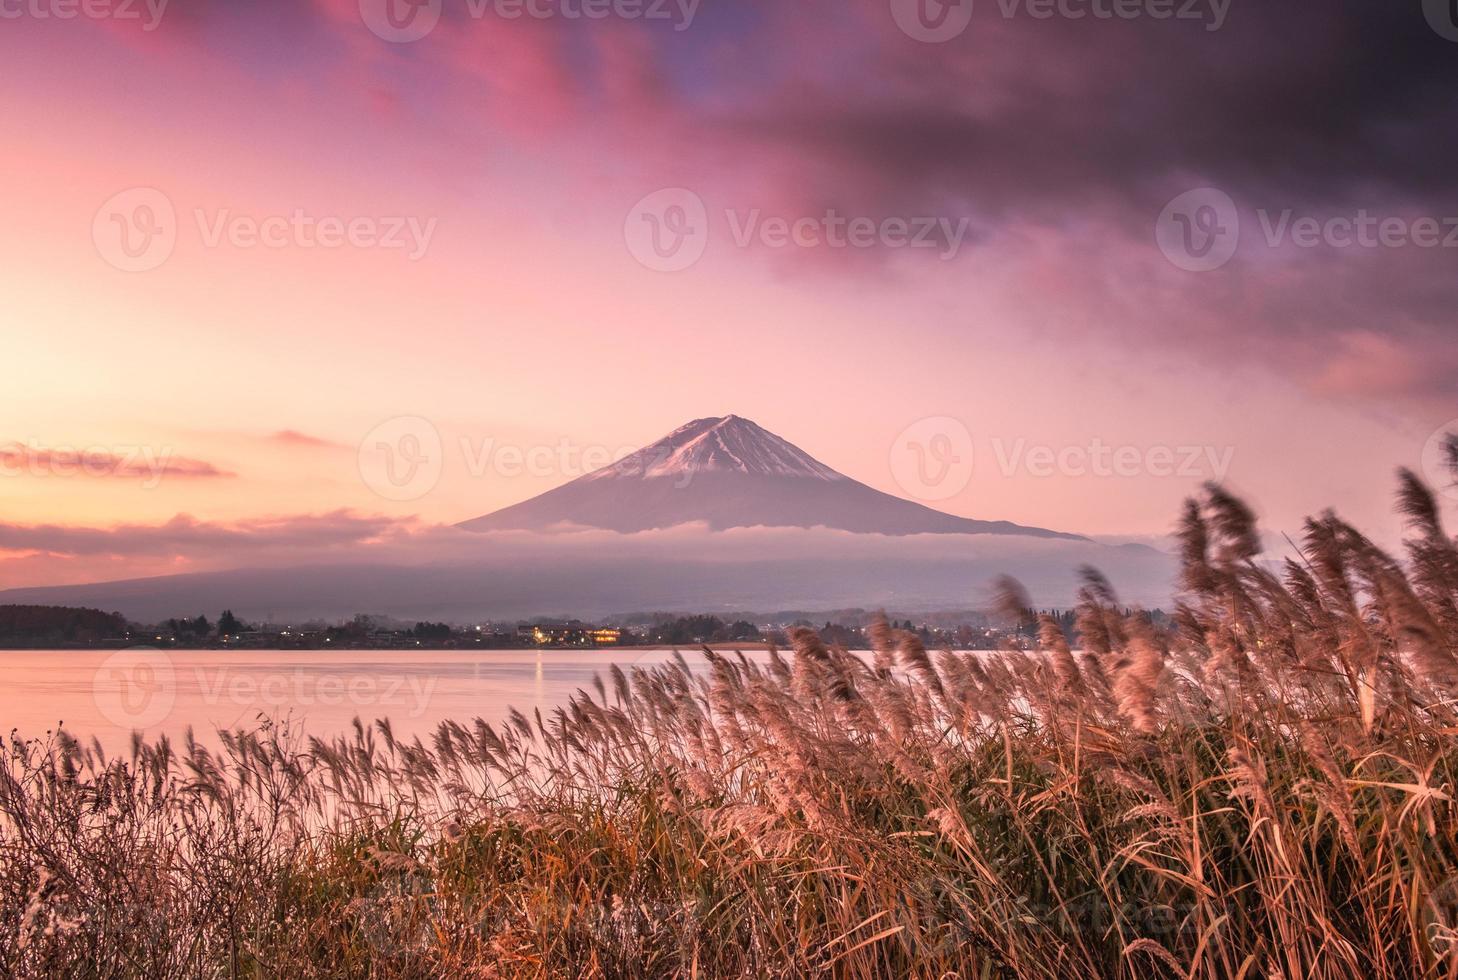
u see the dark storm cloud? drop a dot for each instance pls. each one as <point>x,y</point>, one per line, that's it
<point>1088,128</point>
<point>1339,104</point>
<point>1062,137</point>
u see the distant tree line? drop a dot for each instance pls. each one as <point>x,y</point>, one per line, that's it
<point>32,625</point>
<point>702,629</point>
<point>47,626</point>
<point>199,627</point>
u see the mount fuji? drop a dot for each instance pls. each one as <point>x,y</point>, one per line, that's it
<point>790,550</point>
<point>730,473</point>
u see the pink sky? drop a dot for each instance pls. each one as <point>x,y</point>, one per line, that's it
<point>253,373</point>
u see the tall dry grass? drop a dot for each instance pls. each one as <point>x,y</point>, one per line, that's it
<point>1264,789</point>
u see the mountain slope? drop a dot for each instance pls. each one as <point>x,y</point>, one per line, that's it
<point>590,576</point>
<point>726,473</point>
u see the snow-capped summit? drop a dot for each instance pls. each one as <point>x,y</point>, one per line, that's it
<point>729,445</point>
<point>729,472</point>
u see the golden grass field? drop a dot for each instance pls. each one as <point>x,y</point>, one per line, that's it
<point>1260,786</point>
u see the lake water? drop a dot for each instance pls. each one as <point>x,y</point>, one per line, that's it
<point>108,694</point>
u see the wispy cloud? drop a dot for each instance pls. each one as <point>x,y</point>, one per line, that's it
<point>340,563</point>
<point>187,537</point>
<point>147,463</point>
<point>293,437</point>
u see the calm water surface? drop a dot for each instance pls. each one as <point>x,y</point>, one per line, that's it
<point>108,694</point>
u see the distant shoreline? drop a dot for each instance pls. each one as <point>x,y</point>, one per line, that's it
<point>325,648</point>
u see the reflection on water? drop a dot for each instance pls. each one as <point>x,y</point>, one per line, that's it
<point>107,695</point>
